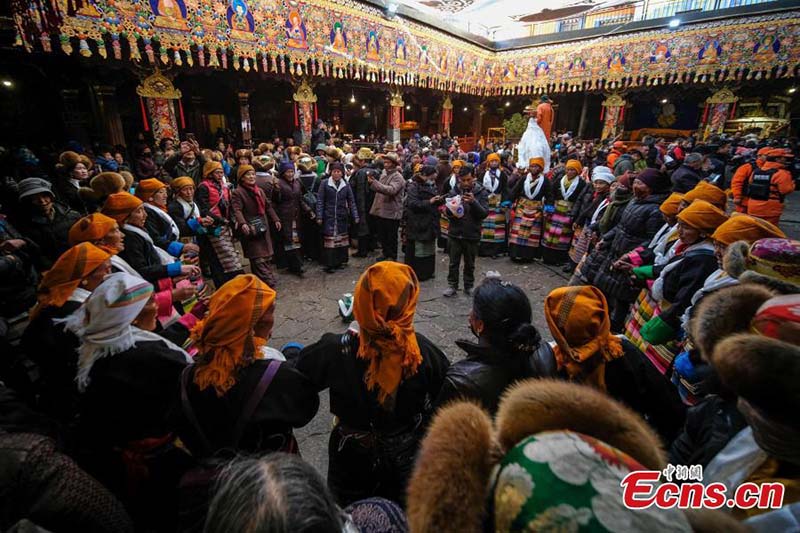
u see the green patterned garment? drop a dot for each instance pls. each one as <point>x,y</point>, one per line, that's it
<point>562,481</point>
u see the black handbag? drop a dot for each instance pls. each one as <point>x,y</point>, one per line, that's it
<point>258,226</point>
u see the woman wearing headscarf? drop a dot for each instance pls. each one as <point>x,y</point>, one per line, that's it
<point>159,225</point>
<point>290,207</point>
<point>587,352</point>
<point>529,195</point>
<point>139,251</point>
<point>558,222</point>
<point>508,347</point>
<point>546,464</point>
<point>61,292</point>
<point>382,376</point>
<point>184,211</point>
<point>335,207</point>
<point>448,185</point>
<point>586,212</point>
<point>241,396</point>
<point>254,217</point>
<point>127,376</point>
<point>216,247</point>
<point>73,173</point>
<point>422,217</point>
<point>493,232</point>
<point>638,225</point>
<point>692,261</point>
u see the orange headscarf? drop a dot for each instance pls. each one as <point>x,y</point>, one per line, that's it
<point>702,216</point>
<point>120,205</point>
<point>741,227</point>
<point>578,320</point>
<point>384,304</point>
<point>91,228</point>
<point>147,188</point>
<point>458,163</point>
<point>710,193</point>
<point>225,336</point>
<point>671,205</point>
<point>60,282</point>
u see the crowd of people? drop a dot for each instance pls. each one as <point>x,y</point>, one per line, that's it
<point>139,391</point>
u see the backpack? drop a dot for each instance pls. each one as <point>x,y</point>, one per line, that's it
<point>760,184</point>
<point>310,196</point>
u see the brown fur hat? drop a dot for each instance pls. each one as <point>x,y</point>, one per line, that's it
<point>447,490</point>
<point>128,177</point>
<point>102,186</point>
<point>723,313</point>
<point>263,163</point>
<point>452,475</point>
<point>243,152</point>
<point>762,370</point>
<point>67,160</point>
<point>533,406</point>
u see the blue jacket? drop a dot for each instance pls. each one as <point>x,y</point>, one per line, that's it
<point>335,208</point>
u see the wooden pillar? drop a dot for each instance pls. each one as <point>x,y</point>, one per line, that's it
<point>73,118</point>
<point>582,122</point>
<point>244,114</point>
<point>477,120</point>
<point>108,114</point>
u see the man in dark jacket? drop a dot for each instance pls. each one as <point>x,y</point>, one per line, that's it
<point>47,222</point>
<point>464,233</point>
<point>320,134</point>
<point>688,174</point>
<point>364,196</point>
<point>187,162</point>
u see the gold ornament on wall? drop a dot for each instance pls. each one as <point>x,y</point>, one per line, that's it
<point>158,86</point>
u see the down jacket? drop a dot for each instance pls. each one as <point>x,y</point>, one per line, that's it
<point>639,223</point>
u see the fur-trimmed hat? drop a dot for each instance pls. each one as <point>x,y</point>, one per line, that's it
<point>769,262</point>
<point>102,186</point>
<point>67,160</point>
<point>243,152</point>
<point>332,151</point>
<point>263,162</point>
<point>306,163</point>
<point>391,156</point>
<point>723,313</point>
<point>457,458</point>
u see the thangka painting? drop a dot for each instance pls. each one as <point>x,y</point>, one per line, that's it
<point>268,35</point>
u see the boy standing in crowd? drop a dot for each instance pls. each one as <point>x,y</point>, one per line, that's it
<point>465,228</point>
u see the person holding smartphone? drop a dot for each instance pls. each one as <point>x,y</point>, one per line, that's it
<point>465,228</point>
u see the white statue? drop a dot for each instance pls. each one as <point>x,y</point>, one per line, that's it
<point>533,144</point>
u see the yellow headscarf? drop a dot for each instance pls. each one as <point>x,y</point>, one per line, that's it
<point>578,320</point>
<point>225,337</point>
<point>384,304</point>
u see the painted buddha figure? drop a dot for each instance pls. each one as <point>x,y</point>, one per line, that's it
<point>400,51</point>
<point>169,8</point>
<point>296,31</point>
<point>372,46</point>
<point>338,40</point>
